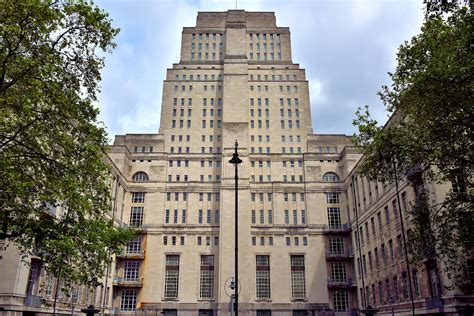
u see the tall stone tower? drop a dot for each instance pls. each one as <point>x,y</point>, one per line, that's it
<point>236,81</point>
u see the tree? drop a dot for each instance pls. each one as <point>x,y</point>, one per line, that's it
<point>51,143</point>
<point>429,137</point>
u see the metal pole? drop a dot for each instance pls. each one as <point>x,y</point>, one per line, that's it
<point>236,239</point>
<point>236,161</point>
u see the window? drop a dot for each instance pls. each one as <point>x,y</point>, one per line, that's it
<point>330,177</point>
<point>138,197</point>
<point>140,176</point>
<point>338,272</point>
<point>131,270</point>
<point>336,245</point>
<point>263,276</point>
<point>171,276</point>
<point>334,217</point>
<point>206,289</point>
<point>340,301</point>
<point>298,284</point>
<point>332,197</point>
<point>134,245</point>
<point>136,216</point>
<point>128,300</point>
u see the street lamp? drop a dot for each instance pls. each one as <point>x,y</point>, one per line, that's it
<point>236,161</point>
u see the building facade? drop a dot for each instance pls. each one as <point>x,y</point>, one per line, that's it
<point>314,237</point>
<point>236,81</point>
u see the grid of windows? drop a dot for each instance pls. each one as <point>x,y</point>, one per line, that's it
<point>171,276</point>
<point>131,271</point>
<point>338,272</point>
<point>136,216</point>
<point>336,245</point>
<point>332,197</point>
<point>134,245</point>
<point>128,302</point>
<point>334,217</point>
<point>340,301</point>
<point>263,276</point>
<point>206,289</point>
<point>138,197</point>
<point>298,284</point>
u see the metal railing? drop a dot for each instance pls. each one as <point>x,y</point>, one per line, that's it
<point>340,283</point>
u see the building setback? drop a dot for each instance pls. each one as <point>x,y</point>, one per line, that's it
<point>235,81</point>
<point>315,238</point>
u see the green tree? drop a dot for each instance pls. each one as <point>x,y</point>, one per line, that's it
<point>429,137</point>
<point>51,143</point>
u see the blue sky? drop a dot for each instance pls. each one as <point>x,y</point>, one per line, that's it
<point>346,46</point>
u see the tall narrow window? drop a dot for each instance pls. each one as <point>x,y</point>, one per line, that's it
<point>341,301</point>
<point>136,216</point>
<point>128,300</point>
<point>206,289</point>
<point>298,284</point>
<point>334,217</point>
<point>263,276</point>
<point>171,276</point>
<point>131,271</point>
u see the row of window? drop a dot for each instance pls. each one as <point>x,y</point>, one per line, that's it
<point>378,261</point>
<point>190,112</point>
<point>188,124</point>
<point>212,101</point>
<point>295,102</point>
<point>207,56</point>
<point>187,150</point>
<point>200,240</point>
<point>257,37</point>
<point>267,150</point>
<point>141,176</point>
<point>204,88</point>
<point>264,56</point>
<point>198,77</point>
<point>206,46</point>
<point>207,36</point>
<point>184,196</point>
<point>380,223</point>
<point>393,290</point>
<point>272,77</point>
<point>296,241</point>
<point>185,178</point>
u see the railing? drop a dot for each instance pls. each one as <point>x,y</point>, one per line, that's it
<point>339,254</point>
<point>340,283</point>
<point>33,300</point>
<point>131,255</point>
<point>434,302</point>
<point>119,281</point>
<point>344,228</point>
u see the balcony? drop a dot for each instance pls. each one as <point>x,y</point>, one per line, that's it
<point>339,255</point>
<point>119,281</point>
<point>140,255</point>
<point>340,284</point>
<point>337,229</point>
<point>434,302</point>
<point>33,301</point>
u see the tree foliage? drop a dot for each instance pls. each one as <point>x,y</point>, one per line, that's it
<point>430,134</point>
<point>51,143</point>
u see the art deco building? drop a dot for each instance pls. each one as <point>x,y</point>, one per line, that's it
<point>304,213</point>
<point>236,81</point>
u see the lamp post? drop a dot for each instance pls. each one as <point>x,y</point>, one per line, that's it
<point>236,161</point>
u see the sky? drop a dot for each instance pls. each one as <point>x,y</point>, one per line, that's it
<point>347,47</point>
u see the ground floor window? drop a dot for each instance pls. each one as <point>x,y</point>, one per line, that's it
<point>206,312</point>
<point>170,312</point>
<point>129,300</point>
<point>299,312</point>
<point>264,312</point>
<point>340,301</point>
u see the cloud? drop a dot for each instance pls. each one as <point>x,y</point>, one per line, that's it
<point>347,47</point>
